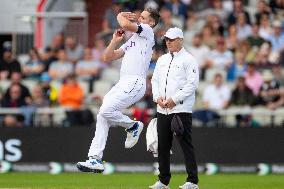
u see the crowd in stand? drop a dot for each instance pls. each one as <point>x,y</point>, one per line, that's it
<point>239,48</point>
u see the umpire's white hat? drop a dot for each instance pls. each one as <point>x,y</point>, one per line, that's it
<point>174,33</point>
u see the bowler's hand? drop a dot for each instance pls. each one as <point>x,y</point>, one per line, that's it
<point>161,102</point>
<point>170,103</point>
<point>118,36</point>
<point>130,16</point>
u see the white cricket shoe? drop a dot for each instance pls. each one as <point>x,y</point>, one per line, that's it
<point>91,165</point>
<point>189,185</point>
<point>159,185</point>
<point>133,134</point>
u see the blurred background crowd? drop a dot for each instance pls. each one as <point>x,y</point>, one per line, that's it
<point>239,46</point>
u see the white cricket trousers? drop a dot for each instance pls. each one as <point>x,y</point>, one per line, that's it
<point>126,92</point>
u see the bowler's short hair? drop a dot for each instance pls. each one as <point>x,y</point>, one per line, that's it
<point>154,14</point>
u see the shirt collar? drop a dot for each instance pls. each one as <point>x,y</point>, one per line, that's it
<point>179,52</point>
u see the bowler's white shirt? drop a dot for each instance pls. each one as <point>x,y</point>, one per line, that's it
<point>138,52</point>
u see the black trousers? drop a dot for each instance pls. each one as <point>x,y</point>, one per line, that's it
<point>165,138</point>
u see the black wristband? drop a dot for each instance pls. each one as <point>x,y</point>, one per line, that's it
<point>140,29</point>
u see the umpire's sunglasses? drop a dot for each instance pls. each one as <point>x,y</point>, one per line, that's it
<point>170,40</point>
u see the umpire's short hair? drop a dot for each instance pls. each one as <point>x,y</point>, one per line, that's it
<point>154,14</point>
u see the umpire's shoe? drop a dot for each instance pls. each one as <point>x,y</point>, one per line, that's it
<point>91,165</point>
<point>133,134</point>
<point>189,185</point>
<point>159,185</point>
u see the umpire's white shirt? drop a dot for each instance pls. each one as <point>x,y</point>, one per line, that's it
<point>176,76</point>
<point>138,52</point>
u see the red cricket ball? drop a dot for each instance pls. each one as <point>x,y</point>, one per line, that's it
<point>120,31</point>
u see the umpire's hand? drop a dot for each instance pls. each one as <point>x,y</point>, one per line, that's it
<point>161,102</point>
<point>169,103</point>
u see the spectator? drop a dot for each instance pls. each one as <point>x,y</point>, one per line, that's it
<point>49,91</point>
<point>220,57</point>
<point>277,37</point>
<point>160,44</point>
<point>253,78</point>
<point>177,8</point>
<point>209,37</point>
<point>147,4</point>
<point>71,96</point>
<point>8,65</point>
<point>74,51</point>
<point>166,19</point>
<point>265,30</point>
<point>244,48</point>
<point>88,69</point>
<point>216,24</point>
<point>242,95</point>
<point>156,54</point>
<point>34,67</point>
<point>61,68</point>
<point>48,56</point>
<point>217,9</point>
<point>262,8</point>
<point>276,5</point>
<point>277,72</point>
<point>25,95</point>
<point>97,51</point>
<point>238,68</point>
<point>238,8</point>
<point>105,33</point>
<point>217,95</point>
<point>254,39</point>
<point>270,92</point>
<point>39,99</point>
<point>112,12</point>
<point>57,42</point>
<point>14,99</point>
<point>166,22</point>
<point>199,50</point>
<point>193,25</point>
<point>232,40</point>
<point>244,29</point>
<point>263,57</point>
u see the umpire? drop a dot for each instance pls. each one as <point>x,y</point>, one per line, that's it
<point>174,82</point>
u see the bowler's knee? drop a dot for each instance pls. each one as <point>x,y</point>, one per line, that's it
<point>106,113</point>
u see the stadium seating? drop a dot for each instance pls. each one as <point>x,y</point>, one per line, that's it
<point>279,117</point>
<point>101,87</point>
<point>111,75</point>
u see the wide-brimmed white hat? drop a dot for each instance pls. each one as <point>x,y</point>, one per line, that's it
<point>174,33</point>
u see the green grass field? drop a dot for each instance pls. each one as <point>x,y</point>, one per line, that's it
<point>135,181</point>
